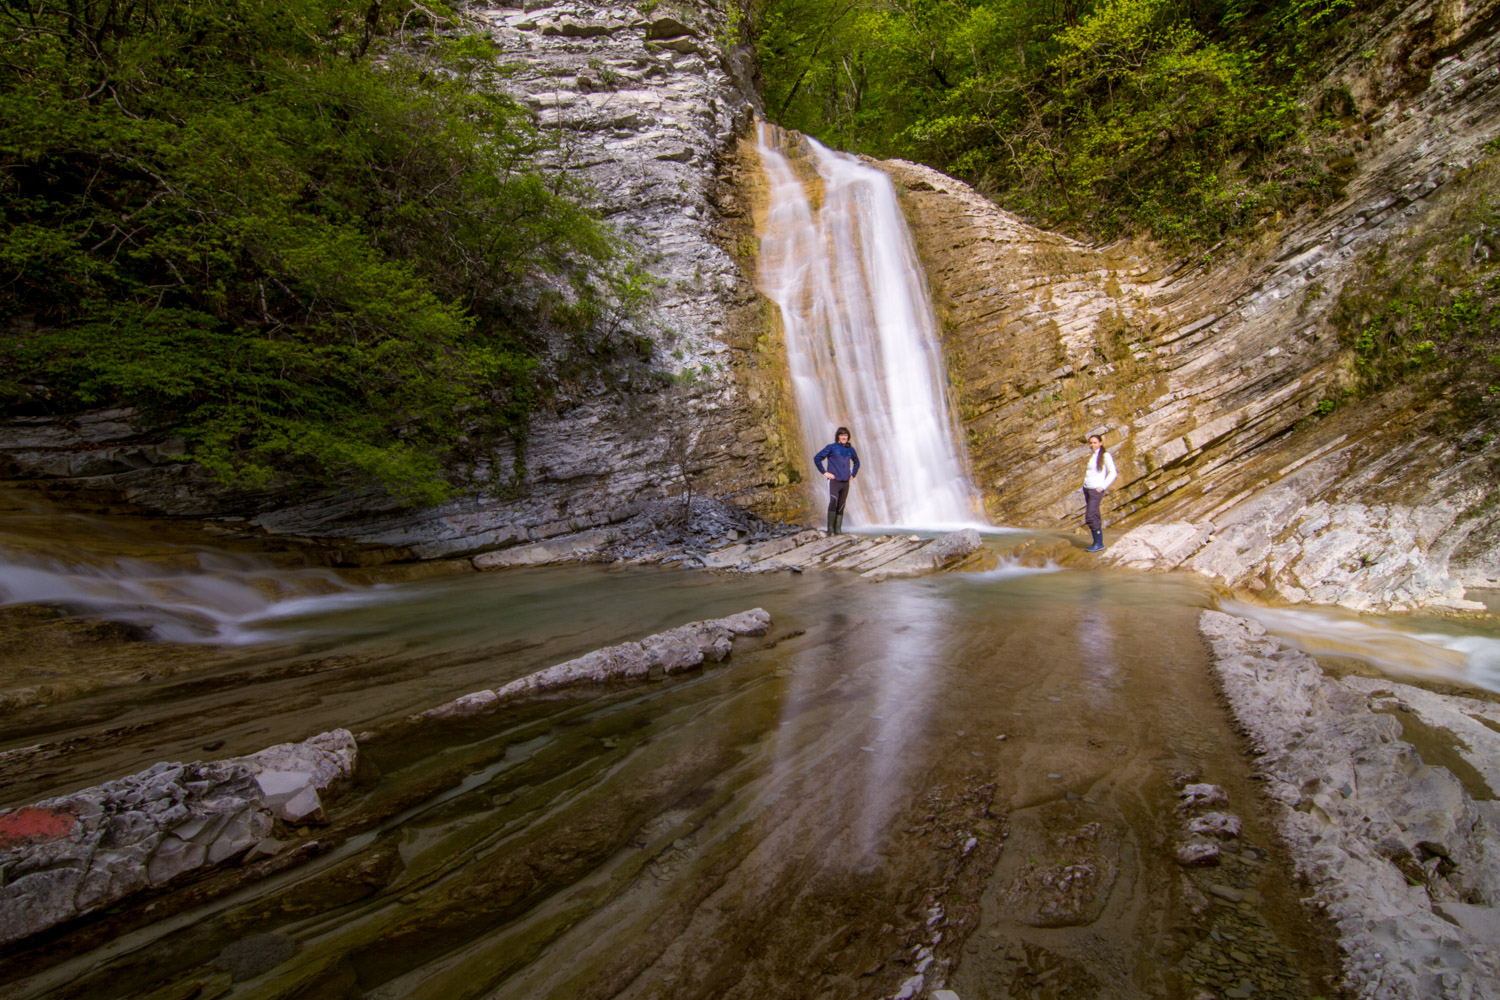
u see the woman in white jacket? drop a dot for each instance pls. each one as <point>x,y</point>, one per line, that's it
<point>1099,473</point>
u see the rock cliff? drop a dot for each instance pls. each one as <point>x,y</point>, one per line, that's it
<point>1207,381</point>
<point>646,104</point>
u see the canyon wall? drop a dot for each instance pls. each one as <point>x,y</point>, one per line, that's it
<point>1209,383</point>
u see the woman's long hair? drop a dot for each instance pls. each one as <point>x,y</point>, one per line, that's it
<point>1098,455</point>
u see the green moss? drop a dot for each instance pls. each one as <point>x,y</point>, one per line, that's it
<point>1428,316</point>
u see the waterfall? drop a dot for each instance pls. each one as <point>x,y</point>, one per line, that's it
<point>861,338</point>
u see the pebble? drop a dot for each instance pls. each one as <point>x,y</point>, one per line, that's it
<point>1003,736</point>
<point>1225,892</point>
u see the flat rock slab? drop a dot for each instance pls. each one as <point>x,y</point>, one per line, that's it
<point>876,557</point>
<point>675,651</point>
<point>1400,856</point>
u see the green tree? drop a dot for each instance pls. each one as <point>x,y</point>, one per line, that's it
<point>310,234</point>
<point>1175,117</point>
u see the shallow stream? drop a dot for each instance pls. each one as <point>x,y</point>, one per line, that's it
<point>970,777</point>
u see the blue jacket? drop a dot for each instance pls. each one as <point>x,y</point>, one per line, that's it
<point>843,460</point>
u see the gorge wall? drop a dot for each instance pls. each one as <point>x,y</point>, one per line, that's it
<point>1207,381</point>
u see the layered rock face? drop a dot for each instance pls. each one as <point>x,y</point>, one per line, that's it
<point>645,104</point>
<point>1205,382</point>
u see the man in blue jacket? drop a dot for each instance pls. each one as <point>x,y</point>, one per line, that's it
<point>843,466</point>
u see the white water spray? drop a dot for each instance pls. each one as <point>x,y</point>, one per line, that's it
<point>861,338</point>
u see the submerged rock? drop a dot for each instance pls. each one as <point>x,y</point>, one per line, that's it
<point>672,652</point>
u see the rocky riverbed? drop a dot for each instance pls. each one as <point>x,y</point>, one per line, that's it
<point>65,858</point>
<point>1385,795</point>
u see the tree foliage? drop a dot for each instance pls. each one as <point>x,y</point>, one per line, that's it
<point>306,232</point>
<point>1175,117</point>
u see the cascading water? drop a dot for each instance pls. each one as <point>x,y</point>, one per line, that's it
<point>181,591</point>
<point>861,337</point>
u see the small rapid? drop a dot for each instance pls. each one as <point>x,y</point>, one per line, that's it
<point>218,598</point>
<point>183,591</point>
<point>1423,650</point>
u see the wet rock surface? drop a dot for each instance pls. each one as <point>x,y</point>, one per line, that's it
<point>679,650</point>
<point>72,855</point>
<point>1069,881</point>
<point>1400,853</point>
<point>712,535</point>
<point>826,818</point>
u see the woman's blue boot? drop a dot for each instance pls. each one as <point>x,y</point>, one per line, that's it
<point>1098,545</point>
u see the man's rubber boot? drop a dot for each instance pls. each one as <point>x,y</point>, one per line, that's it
<point>838,524</point>
<point>1098,545</point>
<point>832,524</point>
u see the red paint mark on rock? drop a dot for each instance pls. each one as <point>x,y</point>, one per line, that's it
<point>35,825</point>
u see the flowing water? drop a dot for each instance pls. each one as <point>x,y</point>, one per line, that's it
<point>868,781</point>
<point>970,772</point>
<point>862,344</point>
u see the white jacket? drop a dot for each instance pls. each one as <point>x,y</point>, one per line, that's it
<point>1094,479</point>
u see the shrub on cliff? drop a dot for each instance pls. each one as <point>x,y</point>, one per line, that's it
<point>308,233</point>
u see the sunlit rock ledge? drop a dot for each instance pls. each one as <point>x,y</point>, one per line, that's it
<point>1401,854</point>
<point>644,542</point>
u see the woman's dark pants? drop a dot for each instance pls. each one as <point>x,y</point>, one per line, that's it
<point>1091,515</point>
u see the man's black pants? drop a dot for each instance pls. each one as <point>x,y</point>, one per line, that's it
<point>838,495</point>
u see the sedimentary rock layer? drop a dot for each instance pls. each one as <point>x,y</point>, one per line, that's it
<point>672,652</point>
<point>76,854</point>
<point>1207,381</point>
<point>1400,853</point>
<point>876,557</point>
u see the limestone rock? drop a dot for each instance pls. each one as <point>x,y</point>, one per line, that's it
<point>1392,846</point>
<point>939,554</point>
<point>294,777</point>
<point>1197,852</point>
<point>675,651</point>
<point>1220,826</point>
<point>77,853</point>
